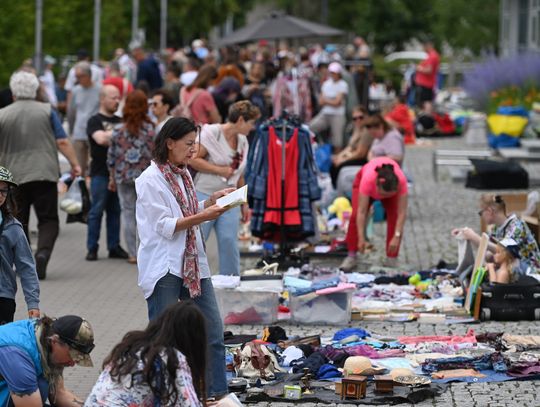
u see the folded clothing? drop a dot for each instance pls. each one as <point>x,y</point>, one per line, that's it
<point>344,333</point>
<point>448,374</point>
<point>453,339</point>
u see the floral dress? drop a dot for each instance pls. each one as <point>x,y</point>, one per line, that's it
<point>132,391</point>
<point>516,229</point>
<point>130,154</point>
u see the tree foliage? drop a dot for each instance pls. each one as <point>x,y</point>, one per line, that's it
<point>387,24</point>
<point>390,24</point>
<point>68,26</point>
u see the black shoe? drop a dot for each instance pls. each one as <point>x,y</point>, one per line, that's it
<point>91,255</point>
<point>41,265</point>
<point>118,253</point>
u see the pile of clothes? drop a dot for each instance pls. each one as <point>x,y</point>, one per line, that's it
<point>436,359</point>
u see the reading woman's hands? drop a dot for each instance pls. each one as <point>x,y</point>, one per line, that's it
<point>212,212</point>
<point>216,195</point>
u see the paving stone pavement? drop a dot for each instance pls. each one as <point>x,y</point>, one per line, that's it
<point>106,293</point>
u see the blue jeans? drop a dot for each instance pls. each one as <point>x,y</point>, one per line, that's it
<point>103,200</point>
<point>168,290</point>
<point>227,238</point>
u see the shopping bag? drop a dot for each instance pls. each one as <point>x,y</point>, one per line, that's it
<point>72,201</point>
<point>83,196</point>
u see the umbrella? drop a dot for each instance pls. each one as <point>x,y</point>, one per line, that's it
<point>277,26</point>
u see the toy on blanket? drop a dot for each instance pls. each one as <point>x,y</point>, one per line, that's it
<point>340,206</point>
<point>421,285</point>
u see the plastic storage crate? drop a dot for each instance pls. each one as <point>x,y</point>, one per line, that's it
<point>247,306</point>
<point>331,309</point>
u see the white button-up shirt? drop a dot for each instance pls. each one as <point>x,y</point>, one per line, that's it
<point>161,251</point>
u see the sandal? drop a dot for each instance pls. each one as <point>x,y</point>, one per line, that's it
<point>269,269</point>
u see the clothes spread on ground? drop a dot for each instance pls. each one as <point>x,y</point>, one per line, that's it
<point>264,177</point>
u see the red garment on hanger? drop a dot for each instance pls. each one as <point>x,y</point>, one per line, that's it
<point>273,186</point>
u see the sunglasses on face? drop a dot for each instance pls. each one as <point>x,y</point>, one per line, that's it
<point>358,118</point>
<point>81,347</point>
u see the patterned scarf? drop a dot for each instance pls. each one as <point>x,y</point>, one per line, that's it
<point>189,206</point>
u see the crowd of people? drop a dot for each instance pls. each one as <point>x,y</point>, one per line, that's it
<point>158,141</point>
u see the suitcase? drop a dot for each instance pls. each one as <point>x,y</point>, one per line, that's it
<point>511,302</point>
<point>488,174</point>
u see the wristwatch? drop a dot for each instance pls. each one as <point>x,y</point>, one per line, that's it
<point>397,234</point>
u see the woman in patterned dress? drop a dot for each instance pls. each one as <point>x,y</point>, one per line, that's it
<point>164,365</point>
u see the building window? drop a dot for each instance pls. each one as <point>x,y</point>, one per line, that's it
<point>523,26</point>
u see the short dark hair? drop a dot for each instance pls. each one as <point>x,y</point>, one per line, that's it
<point>175,128</point>
<point>166,98</point>
<point>387,178</point>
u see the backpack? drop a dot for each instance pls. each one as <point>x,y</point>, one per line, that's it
<point>256,361</point>
<point>183,109</point>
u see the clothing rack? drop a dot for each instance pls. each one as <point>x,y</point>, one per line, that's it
<point>285,256</point>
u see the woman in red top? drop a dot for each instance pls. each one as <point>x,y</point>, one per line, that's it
<point>380,179</point>
<point>400,118</point>
<point>198,100</point>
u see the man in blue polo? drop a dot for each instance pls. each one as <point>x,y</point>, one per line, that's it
<point>33,355</point>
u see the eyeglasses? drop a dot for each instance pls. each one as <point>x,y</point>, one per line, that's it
<point>4,192</point>
<point>358,118</point>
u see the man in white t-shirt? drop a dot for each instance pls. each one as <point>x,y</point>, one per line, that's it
<point>333,98</point>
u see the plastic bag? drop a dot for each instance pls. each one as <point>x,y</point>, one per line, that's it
<point>72,203</point>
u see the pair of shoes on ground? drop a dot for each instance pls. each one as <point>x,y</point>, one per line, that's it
<point>116,253</point>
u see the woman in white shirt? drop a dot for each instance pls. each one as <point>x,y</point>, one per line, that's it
<point>332,101</point>
<point>221,160</point>
<point>172,261</point>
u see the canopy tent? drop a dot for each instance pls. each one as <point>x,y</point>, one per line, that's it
<point>279,26</point>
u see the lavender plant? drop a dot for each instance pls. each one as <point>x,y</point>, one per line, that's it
<point>504,81</point>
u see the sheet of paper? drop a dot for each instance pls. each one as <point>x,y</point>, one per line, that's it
<point>233,199</point>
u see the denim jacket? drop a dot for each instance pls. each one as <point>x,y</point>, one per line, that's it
<point>15,251</point>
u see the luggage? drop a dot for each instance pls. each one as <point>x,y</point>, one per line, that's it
<point>488,174</point>
<point>511,302</point>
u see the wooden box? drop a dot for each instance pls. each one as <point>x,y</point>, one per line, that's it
<point>384,384</point>
<point>353,387</point>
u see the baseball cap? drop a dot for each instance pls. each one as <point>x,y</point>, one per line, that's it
<point>77,333</point>
<point>511,245</point>
<point>334,67</point>
<point>7,176</point>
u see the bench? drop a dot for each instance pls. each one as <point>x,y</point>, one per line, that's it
<point>456,158</point>
<point>532,145</point>
<point>519,154</point>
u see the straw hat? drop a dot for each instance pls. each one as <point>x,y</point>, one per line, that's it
<point>360,365</point>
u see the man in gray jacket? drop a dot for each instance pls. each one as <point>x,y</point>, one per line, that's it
<point>30,137</point>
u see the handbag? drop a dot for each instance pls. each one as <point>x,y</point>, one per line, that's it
<point>256,361</point>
